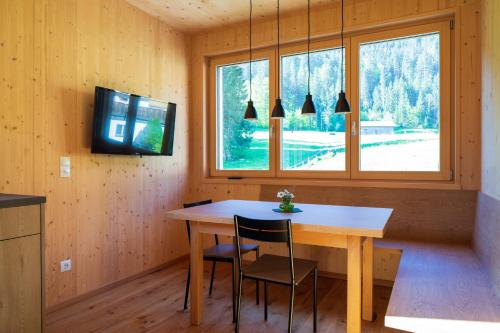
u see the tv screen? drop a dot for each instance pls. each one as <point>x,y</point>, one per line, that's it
<point>129,124</point>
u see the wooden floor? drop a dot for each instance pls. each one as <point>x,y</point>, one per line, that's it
<point>153,304</point>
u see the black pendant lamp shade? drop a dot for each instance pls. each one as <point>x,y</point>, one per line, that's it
<point>342,105</point>
<point>250,113</point>
<point>278,110</point>
<point>308,107</point>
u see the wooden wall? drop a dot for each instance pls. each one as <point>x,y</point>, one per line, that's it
<point>490,62</point>
<point>108,217</point>
<point>359,15</point>
<point>420,215</point>
<point>16,96</point>
<point>487,230</point>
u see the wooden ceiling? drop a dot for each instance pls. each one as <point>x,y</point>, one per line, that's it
<point>196,15</point>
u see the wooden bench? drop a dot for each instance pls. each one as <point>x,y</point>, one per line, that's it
<point>440,288</point>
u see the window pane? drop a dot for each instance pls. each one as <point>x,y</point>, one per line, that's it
<point>399,104</point>
<point>312,142</point>
<point>242,144</point>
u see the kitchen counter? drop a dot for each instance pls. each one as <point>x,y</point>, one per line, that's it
<point>16,200</point>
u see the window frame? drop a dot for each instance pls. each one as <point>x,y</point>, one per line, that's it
<point>351,46</point>
<point>446,79</point>
<point>301,48</point>
<point>239,58</point>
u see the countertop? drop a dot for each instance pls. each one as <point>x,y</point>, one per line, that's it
<point>16,200</point>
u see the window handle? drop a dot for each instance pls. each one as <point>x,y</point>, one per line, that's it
<point>353,128</point>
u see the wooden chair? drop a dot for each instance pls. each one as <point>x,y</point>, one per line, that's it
<point>284,270</point>
<point>219,253</point>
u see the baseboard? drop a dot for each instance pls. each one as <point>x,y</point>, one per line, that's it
<point>112,285</point>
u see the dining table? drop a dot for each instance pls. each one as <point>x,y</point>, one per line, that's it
<point>350,227</point>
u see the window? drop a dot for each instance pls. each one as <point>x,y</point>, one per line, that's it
<point>242,146</point>
<point>312,143</point>
<point>397,81</point>
<point>399,104</point>
<point>402,104</point>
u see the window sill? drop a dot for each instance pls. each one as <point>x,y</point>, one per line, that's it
<point>430,185</point>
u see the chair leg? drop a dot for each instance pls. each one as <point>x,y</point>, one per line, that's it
<point>212,279</point>
<point>233,265</point>
<point>257,281</point>
<point>187,288</point>
<point>238,305</point>
<point>266,293</point>
<point>315,302</point>
<point>290,314</point>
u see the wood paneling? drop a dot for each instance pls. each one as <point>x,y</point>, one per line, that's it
<point>425,215</point>
<point>16,90</point>
<point>490,105</point>
<point>487,231</point>
<point>154,304</point>
<point>486,236</point>
<point>202,14</point>
<point>20,285</point>
<point>108,217</point>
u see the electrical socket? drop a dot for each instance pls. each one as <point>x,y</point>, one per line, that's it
<point>66,265</point>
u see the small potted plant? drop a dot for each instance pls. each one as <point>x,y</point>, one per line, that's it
<point>286,204</point>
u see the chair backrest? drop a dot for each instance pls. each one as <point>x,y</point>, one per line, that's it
<point>270,231</point>
<point>195,204</point>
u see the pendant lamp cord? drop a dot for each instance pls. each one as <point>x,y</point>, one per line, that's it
<point>308,46</point>
<point>279,59</point>
<point>342,50</point>
<point>250,49</point>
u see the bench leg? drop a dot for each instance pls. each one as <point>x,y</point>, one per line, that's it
<point>367,312</point>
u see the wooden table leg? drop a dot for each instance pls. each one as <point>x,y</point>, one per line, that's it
<point>196,274</point>
<point>367,313</point>
<point>354,260</point>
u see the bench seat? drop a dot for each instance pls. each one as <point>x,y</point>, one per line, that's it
<point>440,288</point>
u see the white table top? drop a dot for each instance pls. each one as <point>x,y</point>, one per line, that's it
<point>342,220</point>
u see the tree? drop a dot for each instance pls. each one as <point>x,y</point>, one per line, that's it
<point>237,131</point>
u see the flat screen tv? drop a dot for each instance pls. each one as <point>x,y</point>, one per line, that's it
<point>129,124</point>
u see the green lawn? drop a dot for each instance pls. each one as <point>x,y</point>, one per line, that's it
<point>296,153</point>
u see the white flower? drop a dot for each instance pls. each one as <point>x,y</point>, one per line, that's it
<point>285,195</point>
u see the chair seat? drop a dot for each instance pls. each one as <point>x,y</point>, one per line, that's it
<point>227,251</point>
<point>277,269</point>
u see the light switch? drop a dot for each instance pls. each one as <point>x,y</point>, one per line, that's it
<point>65,166</point>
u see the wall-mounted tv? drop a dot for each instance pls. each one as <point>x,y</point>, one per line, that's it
<point>129,124</point>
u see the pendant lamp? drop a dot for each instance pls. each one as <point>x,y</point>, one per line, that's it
<point>342,103</point>
<point>308,107</point>
<point>250,113</point>
<point>278,110</point>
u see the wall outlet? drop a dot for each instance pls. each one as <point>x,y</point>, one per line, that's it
<point>66,265</point>
<point>65,166</point>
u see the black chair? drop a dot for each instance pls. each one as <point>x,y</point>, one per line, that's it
<point>270,268</point>
<point>219,253</point>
